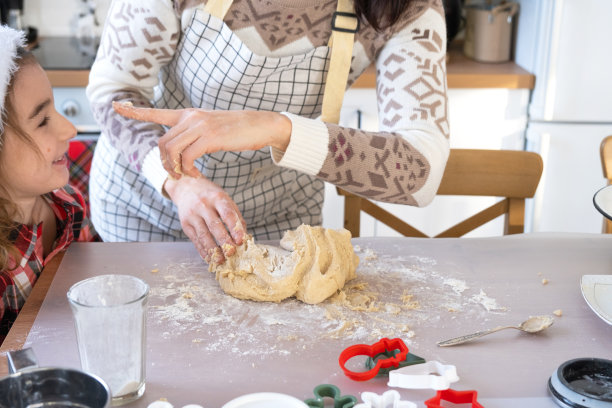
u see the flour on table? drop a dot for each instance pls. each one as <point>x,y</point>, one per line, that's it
<point>390,296</point>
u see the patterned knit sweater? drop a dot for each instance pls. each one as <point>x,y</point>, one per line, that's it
<point>403,162</point>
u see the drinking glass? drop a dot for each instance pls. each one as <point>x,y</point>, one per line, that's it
<point>110,321</point>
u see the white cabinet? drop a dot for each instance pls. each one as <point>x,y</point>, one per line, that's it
<point>489,118</point>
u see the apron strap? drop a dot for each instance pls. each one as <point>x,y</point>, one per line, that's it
<point>218,8</point>
<point>344,26</point>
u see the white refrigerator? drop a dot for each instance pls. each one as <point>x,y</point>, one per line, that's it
<point>567,45</point>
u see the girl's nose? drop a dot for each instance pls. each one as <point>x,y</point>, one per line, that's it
<point>69,131</point>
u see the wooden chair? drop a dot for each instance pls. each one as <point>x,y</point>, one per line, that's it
<point>511,174</point>
<point>605,150</point>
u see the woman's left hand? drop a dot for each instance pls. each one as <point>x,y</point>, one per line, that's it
<point>195,132</point>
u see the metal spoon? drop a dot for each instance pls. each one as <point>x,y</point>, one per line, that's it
<point>532,325</point>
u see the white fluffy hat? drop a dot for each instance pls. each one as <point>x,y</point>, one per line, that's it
<point>10,40</point>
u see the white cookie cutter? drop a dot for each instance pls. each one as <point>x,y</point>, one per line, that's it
<point>389,399</point>
<point>432,374</point>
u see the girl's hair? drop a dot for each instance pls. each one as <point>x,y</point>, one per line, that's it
<point>380,14</point>
<point>8,209</point>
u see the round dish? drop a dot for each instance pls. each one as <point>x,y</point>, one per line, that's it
<point>265,400</point>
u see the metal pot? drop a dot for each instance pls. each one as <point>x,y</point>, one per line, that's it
<point>30,386</point>
<point>488,31</point>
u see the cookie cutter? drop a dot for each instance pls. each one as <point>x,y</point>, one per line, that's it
<point>410,360</point>
<point>388,399</point>
<point>456,397</point>
<point>329,390</point>
<point>384,345</point>
<point>431,374</point>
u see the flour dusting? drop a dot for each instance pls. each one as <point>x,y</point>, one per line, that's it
<point>392,296</point>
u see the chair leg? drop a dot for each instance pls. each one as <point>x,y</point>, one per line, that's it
<point>515,219</point>
<point>352,214</point>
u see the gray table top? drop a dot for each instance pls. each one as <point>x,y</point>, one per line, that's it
<point>206,348</point>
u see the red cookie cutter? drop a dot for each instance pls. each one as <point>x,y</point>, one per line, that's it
<point>456,397</point>
<point>384,345</point>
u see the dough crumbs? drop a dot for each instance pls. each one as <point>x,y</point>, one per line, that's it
<point>558,312</point>
<point>370,255</point>
<point>188,295</point>
<point>197,340</point>
<point>155,270</point>
<point>544,281</point>
<point>408,303</point>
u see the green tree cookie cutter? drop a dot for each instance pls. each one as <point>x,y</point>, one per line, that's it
<point>328,390</point>
<point>410,360</point>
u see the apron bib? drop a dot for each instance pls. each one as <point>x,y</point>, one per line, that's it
<point>214,69</point>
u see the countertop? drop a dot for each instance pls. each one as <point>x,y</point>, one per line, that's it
<point>206,348</point>
<point>462,72</point>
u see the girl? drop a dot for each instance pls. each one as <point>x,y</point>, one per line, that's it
<point>40,215</point>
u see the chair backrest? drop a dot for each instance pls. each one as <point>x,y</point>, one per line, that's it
<point>511,174</point>
<point>605,150</point>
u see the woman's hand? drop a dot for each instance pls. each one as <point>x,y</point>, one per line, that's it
<point>209,217</point>
<point>195,132</point>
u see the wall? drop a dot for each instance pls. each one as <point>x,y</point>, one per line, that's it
<point>58,17</point>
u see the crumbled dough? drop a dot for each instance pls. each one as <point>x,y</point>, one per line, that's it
<point>544,281</point>
<point>312,264</point>
<point>155,270</point>
<point>558,312</point>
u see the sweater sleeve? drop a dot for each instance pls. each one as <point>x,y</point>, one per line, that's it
<point>139,38</point>
<point>404,161</point>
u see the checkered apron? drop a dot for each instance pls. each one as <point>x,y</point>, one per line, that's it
<point>213,69</point>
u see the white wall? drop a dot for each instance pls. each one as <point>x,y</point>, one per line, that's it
<point>58,17</point>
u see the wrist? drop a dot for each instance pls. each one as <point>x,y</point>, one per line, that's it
<point>283,128</point>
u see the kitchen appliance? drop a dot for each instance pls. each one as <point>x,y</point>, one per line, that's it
<point>488,31</point>
<point>564,43</point>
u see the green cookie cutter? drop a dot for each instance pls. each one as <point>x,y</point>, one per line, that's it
<point>411,359</point>
<point>331,391</point>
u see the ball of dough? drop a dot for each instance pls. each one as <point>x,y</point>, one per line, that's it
<point>311,264</point>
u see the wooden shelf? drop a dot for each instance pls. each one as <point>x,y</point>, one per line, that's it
<point>462,72</point>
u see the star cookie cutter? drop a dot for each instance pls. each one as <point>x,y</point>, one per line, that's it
<point>432,374</point>
<point>329,390</point>
<point>388,399</point>
<point>456,397</point>
<point>382,346</point>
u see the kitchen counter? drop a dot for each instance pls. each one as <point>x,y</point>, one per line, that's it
<point>205,347</point>
<point>462,72</point>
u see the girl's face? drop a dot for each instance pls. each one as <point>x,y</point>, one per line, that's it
<point>27,172</point>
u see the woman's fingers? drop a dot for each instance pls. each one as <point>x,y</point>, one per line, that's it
<point>167,117</point>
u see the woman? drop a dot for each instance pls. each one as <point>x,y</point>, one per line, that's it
<point>258,74</point>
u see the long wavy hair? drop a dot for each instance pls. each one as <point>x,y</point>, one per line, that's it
<point>380,14</point>
<point>8,208</point>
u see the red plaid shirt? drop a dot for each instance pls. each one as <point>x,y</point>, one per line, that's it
<point>72,225</point>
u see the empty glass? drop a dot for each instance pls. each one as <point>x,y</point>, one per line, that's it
<point>110,321</point>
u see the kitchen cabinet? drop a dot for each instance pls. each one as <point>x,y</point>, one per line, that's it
<point>487,110</point>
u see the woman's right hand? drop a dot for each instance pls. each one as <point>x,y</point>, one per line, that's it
<point>208,215</point>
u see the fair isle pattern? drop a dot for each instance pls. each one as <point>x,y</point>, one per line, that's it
<point>389,168</point>
<point>131,27</point>
<point>279,24</point>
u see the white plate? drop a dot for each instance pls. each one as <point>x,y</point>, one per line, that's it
<point>265,400</point>
<point>597,291</point>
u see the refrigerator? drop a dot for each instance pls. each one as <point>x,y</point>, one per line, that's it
<point>566,44</point>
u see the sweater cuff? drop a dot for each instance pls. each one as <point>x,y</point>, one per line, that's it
<point>307,147</point>
<point>154,171</point>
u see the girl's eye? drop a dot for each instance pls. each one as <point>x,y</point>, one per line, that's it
<point>44,122</point>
